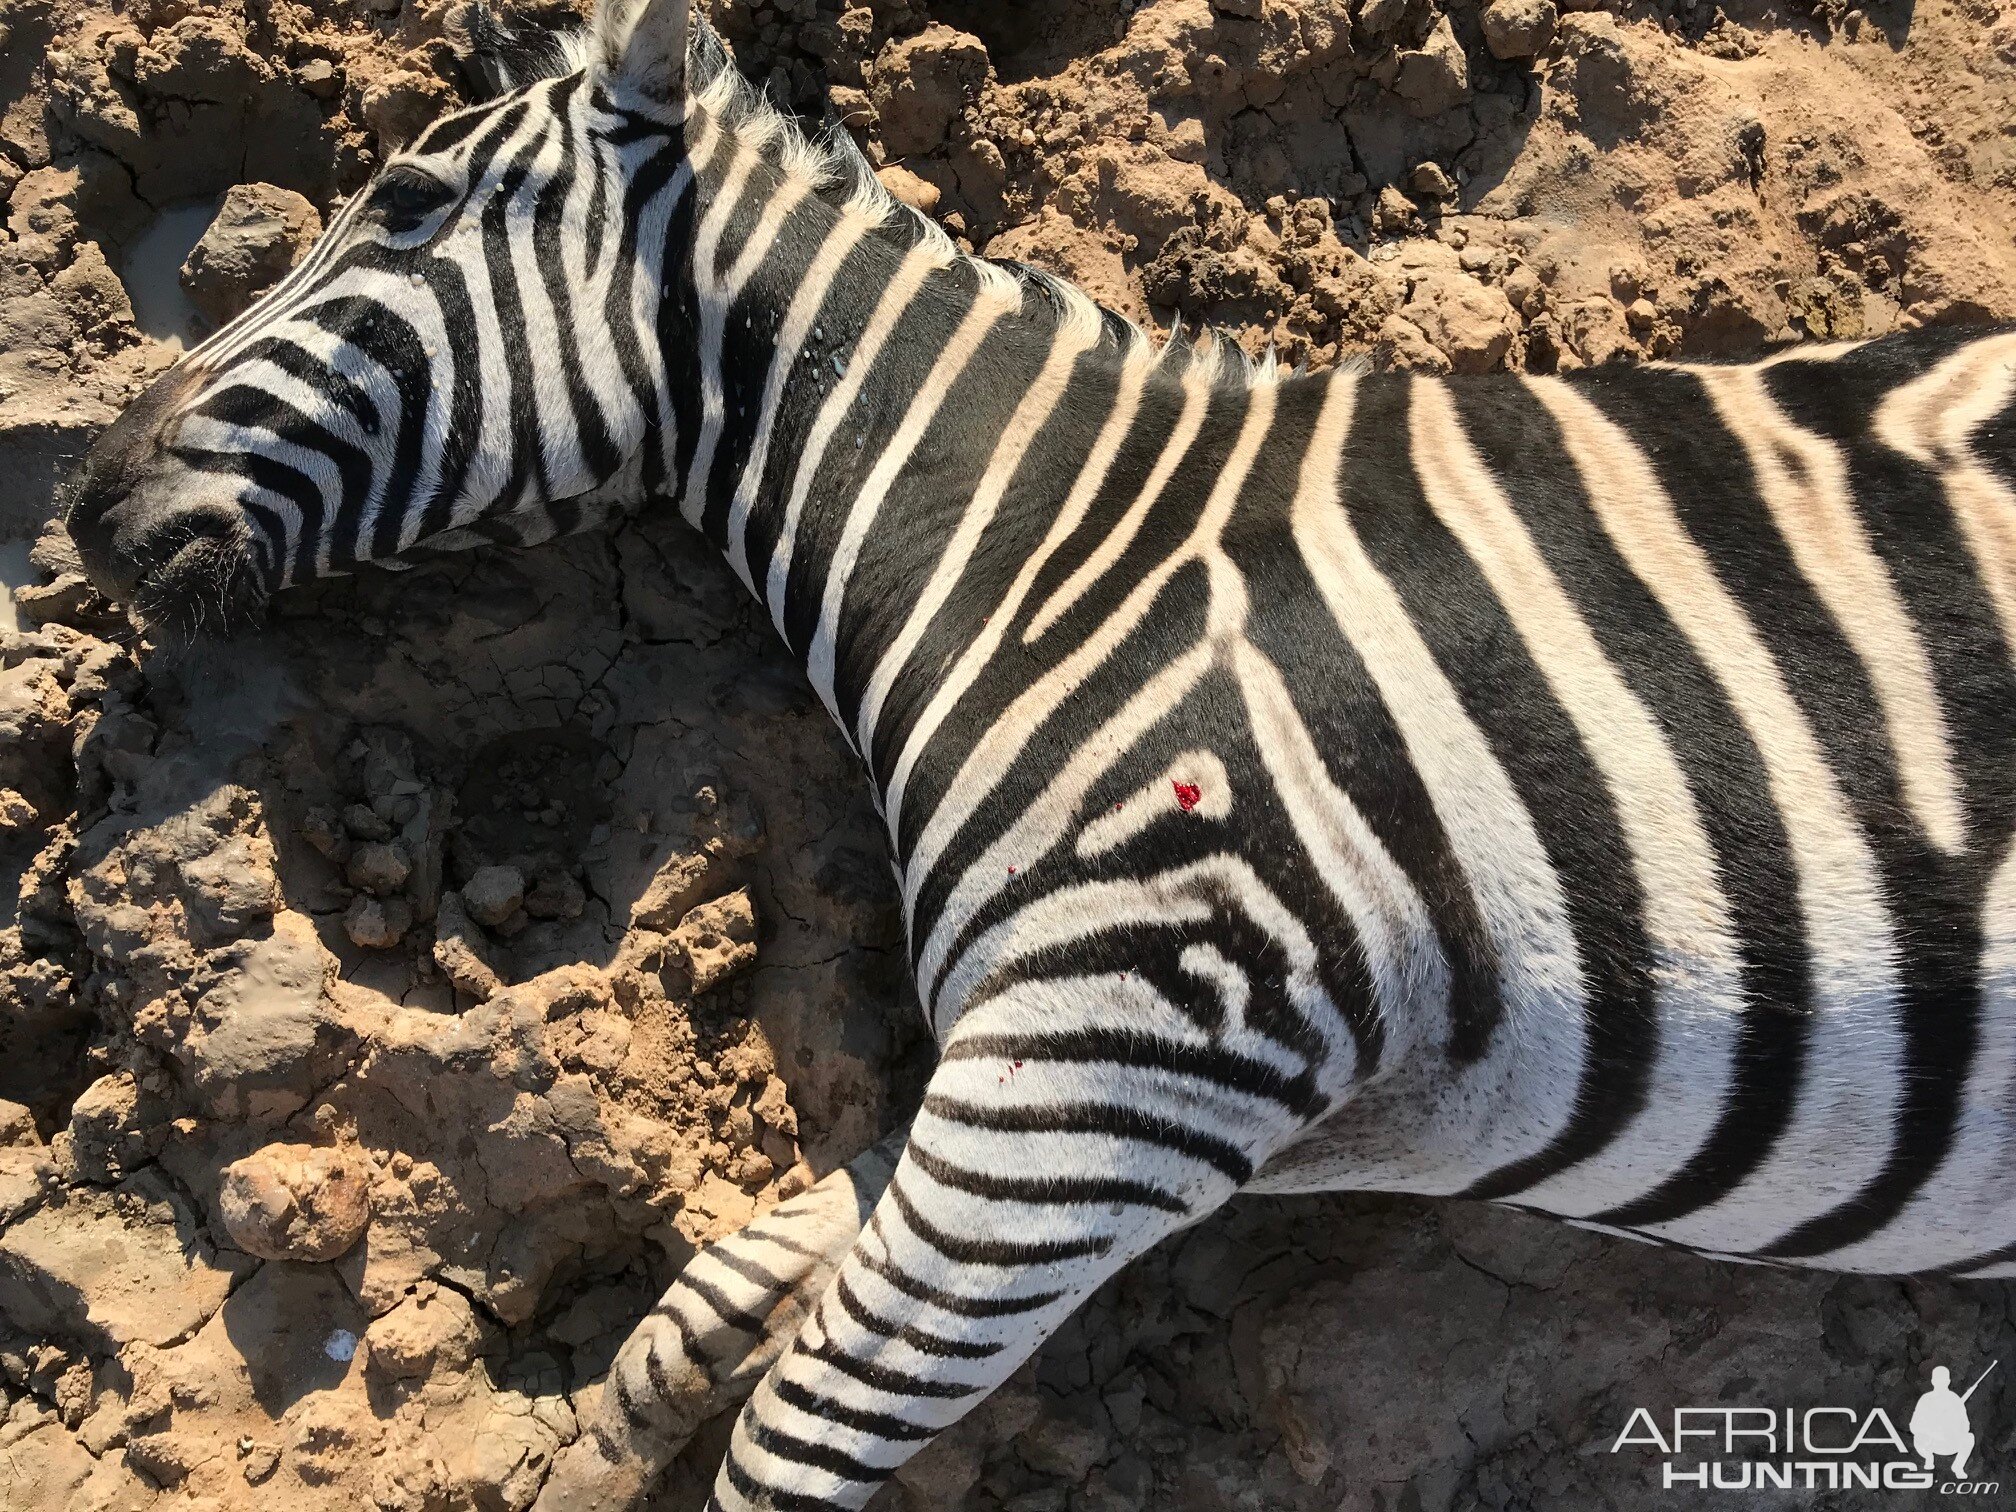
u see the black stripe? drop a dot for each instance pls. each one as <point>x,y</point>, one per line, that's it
<point>1099,1118</point>
<point>1533,739</point>
<point>757,1494</point>
<point>735,1317</point>
<point>1045,1191</point>
<point>788,1446</point>
<point>920,1339</point>
<point>832,1410</point>
<point>885,1266</point>
<point>1518,439</point>
<point>1002,1252</point>
<point>1142,1051</point>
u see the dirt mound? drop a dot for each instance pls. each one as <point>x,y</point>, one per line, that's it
<point>391,1002</point>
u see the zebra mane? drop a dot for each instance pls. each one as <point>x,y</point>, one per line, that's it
<point>841,175</point>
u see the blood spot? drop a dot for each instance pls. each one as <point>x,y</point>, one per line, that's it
<point>1188,796</point>
<point>1011,871</point>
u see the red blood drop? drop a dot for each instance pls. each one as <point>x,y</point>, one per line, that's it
<point>1188,796</point>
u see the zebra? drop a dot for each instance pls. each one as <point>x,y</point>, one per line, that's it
<point>1590,794</point>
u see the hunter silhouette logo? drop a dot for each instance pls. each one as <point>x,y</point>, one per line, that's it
<point>1939,1424</point>
<point>1816,1448</point>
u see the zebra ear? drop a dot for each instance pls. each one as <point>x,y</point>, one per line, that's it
<point>644,42</point>
<point>498,54</point>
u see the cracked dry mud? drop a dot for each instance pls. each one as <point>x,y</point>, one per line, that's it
<point>391,1001</point>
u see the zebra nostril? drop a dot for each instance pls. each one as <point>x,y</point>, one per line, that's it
<point>194,573</point>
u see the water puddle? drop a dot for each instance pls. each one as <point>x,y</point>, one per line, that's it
<point>14,573</point>
<point>152,273</point>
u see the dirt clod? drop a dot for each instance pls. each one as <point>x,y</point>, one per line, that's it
<point>294,1202</point>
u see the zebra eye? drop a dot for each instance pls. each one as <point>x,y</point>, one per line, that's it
<point>406,196</point>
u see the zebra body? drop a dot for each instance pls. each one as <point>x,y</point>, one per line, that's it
<point>1591,794</point>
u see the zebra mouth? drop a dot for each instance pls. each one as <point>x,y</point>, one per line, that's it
<point>197,579</point>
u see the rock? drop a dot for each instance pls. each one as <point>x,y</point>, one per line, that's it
<point>365,823</point>
<point>232,888</point>
<point>422,1334</point>
<point>379,867</point>
<point>459,951</point>
<point>17,1127</point>
<point>556,896</point>
<point>114,1128</point>
<point>1065,1443</point>
<point>259,234</point>
<point>377,923</point>
<point>1436,76</point>
<point>320,78</point>
<point>719,938</point>
<point>919,194</point>
<point>493,894</point>
<point>99,1266</point>
<point>1431,180</point>
<point>1519,28</point>
<point>296,1202</point>
<point>1469,323</point>
<point>946,1470</point>
<point>922,84</point>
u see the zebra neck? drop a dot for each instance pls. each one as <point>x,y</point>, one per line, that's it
<point>866,398</point>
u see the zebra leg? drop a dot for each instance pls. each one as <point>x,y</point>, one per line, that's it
<point>1025,1184</point>
<point>719,1327</point>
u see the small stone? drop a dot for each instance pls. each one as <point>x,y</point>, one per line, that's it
<point>556,896</point>
<point>1064,1446</point>
<point>493,894</point>
<point>259,1463</point>
<point>919,193</point>
<point>365,823</point>
<point>459,953</point>
<point>321,828</point>
<point>296,1202</point>
<point>1642,314</point>
<point>423,1333</point>
<point>319,77</point>
<point>1431,180</point>
<point>1436,76</point>
<point>719,939</point>
<point>377,923</point>
<point>1519,28</point>
<point>260,232</point>
<point>16,812</point>
<point>379,867</point>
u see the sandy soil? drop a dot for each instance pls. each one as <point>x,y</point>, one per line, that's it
<point>389,1003</point>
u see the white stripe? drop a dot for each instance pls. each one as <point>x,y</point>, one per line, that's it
<point>1932,420</point>
<point>806,302</point>
<point>1803,481</point>
<point>1197,384</point>
<point>1839,1135</point>
<point>916,266</point>
<point>1696,968</point>
<point>1091,477</point>
<point>986,311</point>
<point>1071,341</point>
<point>712,293</point>
<point>1522,1093</point>
<point>1037,830</point>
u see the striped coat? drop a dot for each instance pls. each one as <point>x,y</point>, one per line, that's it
<point>1591,794</point>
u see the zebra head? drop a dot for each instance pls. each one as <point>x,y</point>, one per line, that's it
<point>471,352</point>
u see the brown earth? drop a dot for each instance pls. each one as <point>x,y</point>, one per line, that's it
<point>391,1001</point>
